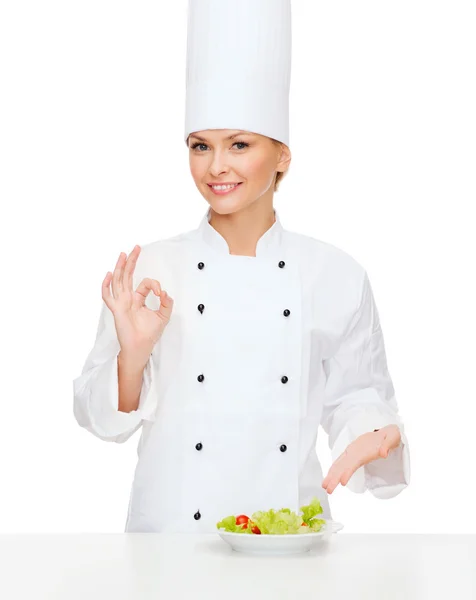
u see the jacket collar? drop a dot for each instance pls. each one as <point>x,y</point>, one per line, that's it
<point>270,240</point>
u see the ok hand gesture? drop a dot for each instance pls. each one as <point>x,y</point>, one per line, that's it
<point>138,327</point>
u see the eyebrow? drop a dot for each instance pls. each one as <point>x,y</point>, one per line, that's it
<point>230,137</point>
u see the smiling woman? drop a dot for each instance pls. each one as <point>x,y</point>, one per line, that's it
<point>266,334</point>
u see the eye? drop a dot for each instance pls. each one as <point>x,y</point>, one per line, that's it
<point>242,143</point>
<point>194,146</point>
<point>197,144</point>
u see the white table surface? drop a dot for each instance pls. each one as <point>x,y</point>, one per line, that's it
<point>142,566</point>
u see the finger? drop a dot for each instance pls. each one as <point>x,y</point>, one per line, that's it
<point>346,475</point>
<point>106,292</point>
<point>166,306</point>
<point>116,276</point>
<point>331,475</point>
<point>144,288</point>
<point>332,478</point>
<point>343,478</point>
<point>129,268</point>
<point>333,483</point>
<point>337,467</point>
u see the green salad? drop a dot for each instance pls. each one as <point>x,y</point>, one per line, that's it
<point>276,521</point>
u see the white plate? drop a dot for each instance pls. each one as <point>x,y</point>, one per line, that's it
<point>275,544</point>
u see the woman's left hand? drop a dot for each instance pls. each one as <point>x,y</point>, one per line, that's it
<point>366,448</point>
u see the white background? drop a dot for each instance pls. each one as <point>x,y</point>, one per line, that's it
<point>93,161</point>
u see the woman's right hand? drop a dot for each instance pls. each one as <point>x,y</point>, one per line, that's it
<point>138,327</point>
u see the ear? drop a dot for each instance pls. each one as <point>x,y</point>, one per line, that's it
<point>284,158</point>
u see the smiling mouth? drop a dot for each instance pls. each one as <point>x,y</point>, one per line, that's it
<point>224,189</point>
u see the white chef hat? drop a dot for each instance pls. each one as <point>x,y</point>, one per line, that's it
<point>239,66</point>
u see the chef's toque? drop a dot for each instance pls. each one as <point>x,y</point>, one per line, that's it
<point>239,66</point>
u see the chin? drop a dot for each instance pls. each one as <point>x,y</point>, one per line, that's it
<point>224,210</point>
<point>224,207</point>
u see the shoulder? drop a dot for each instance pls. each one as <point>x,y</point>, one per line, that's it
<point>338,281</point>
<point>324,258</point>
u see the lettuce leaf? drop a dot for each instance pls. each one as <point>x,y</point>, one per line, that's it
<point>309,515</point>
<point>283,521</point>
<point>229,524</point>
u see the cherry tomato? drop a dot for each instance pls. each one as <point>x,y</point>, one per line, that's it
<point>242,520</point>
<point>305,524</point>
<point>254,527</point>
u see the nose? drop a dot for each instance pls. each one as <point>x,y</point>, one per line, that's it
<point>218,164</point>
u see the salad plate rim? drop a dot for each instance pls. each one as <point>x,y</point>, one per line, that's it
<point>273,535</point>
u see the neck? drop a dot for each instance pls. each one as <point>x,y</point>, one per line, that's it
<point>243,228</point>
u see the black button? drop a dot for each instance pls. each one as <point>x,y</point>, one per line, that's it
<point>281,264</point>
<point>200,265</point>
<point>284,379</point>
<point>283,448</point>
<point>197,515</point>
<point>201,308</point>
<point>199,446</point>
<point>201,378</point>
<point>287,312</point>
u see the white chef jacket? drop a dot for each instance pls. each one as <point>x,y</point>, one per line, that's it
<point>259,351</point>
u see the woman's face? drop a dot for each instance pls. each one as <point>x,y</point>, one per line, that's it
<point>224,156</point>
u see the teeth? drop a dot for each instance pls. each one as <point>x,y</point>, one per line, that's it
<point>224,187</point>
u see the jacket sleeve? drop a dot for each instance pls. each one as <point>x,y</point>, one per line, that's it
<point>96,390</point>
<point>360,397</point>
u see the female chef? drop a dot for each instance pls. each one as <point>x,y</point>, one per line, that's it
<point>228,345</point>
